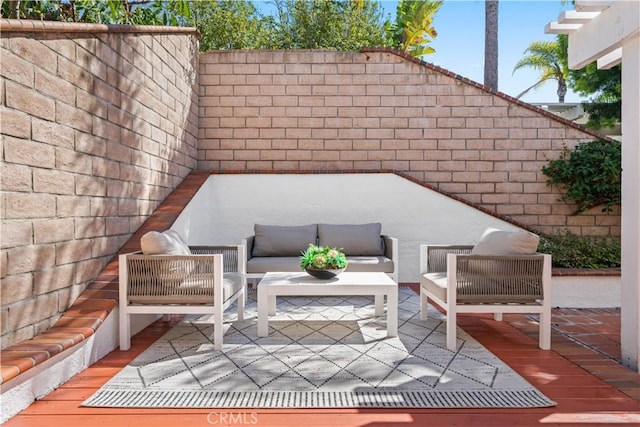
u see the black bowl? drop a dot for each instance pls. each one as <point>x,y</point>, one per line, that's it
<point>324,274</point>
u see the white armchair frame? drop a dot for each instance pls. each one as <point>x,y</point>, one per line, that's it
<point>206,282</point>
<point>459,282</point>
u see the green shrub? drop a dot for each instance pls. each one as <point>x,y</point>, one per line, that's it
<point>590,174</point>
<point>571,251</point>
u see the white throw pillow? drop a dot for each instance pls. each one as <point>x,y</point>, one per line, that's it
<point>505,242</point>
<point>167,243</point>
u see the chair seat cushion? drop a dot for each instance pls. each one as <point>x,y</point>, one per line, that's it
<point>435,284</point>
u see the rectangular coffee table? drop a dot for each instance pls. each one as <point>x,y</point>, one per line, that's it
<point>274,284</point>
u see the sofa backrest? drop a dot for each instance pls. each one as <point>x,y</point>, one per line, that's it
<point>276,240</point>
<point>354,239</point>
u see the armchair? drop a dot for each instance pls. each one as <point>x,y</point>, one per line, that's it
<point>460,282</point>
<point>206,281</point>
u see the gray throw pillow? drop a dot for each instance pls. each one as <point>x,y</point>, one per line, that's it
<point>355,239</point>
<point>276,240</point>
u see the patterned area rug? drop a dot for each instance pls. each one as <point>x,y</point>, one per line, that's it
<point>322,352</point>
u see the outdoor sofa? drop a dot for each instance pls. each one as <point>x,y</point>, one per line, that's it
<point>279,247</point>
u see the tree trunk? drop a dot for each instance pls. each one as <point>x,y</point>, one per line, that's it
<point>562,90</point>
<point>491,44</point>
<point>14,9</point>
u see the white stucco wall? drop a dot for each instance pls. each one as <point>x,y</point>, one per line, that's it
<point>226,208</point>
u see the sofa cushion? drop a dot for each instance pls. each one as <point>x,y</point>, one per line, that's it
<point>283,241</point>
<point>504,242</point>
<point>354,239</point>
<point>168,242</point>
<point>273,263</point>
<point>356,263</point>
<point>378,264</point>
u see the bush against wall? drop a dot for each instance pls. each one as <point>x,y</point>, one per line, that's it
<point>571,251</point>
<point>590,175</point>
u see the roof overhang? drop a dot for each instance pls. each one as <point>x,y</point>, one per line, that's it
<point>597,29</point>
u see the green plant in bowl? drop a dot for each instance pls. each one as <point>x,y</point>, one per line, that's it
<point>323,257</point>
<point>322,261</point>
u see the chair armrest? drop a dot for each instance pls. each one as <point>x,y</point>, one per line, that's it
<point>167,277</point>
<point>499,279</point>
<point>391,252</point>
<point>248,246</point>
<point>433,258</point>
<point>233,256</point>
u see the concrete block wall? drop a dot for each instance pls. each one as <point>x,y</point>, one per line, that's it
<point>379,110</point>
<point>99,125</point>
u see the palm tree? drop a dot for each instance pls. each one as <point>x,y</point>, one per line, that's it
<point>491,44</point>
<point>547,58</point>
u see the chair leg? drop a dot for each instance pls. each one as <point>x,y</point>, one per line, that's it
<point>451,330</point>
<point>218,328</point>
<point>240,301</point>
<point>125,330</point>
<point>545,329</point>
<point>424,303</point>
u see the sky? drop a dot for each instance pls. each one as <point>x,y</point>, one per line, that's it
<point>460,42</point>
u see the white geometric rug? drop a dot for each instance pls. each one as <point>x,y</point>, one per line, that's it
<point>321,352</point>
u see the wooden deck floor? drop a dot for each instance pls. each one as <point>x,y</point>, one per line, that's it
<point>582,371</point>
<point>585,378</point>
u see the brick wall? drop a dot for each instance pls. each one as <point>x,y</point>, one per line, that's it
<point>319,110</point>
<point>99,125</point>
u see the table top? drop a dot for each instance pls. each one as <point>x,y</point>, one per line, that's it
<point>345,278</point>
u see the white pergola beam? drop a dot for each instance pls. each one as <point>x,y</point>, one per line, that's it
<point>557,28</point>
<point>592,5</point>
<point>604,33</point>
<point>610,60</point>
<point>573,17</point>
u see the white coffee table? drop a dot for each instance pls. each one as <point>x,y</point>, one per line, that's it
<point>274,284</point>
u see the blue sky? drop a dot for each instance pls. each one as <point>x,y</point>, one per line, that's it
<point>460,42</point>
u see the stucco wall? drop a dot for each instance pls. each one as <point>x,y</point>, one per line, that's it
<point>227,207</point>
<point>373,110</point>
<point>99,125</point>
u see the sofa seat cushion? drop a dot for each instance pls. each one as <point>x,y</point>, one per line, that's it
<point>273,263</point>
<point>376,264</point>
<point>355,263</point>
<point>192,290</point>
<point>283,241</point>
<point>354,239</point>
